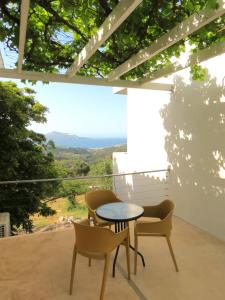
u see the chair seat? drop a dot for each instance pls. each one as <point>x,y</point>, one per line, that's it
<point>147,220</point>
<point>148,226</point>
<point>102,222</point>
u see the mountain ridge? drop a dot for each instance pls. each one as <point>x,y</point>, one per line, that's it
<point>67,140</point>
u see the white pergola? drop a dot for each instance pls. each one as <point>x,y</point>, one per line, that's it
<point>112,22</point>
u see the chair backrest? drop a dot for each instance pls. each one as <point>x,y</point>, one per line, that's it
<point>165,209</point>
<point>96,240</point>
<point>166,213</point>
<point>99,197</point>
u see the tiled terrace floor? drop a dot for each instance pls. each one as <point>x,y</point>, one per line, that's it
<point>37,267</point>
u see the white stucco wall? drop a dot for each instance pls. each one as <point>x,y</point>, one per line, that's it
<point>195,145</point>
<point>145,129</point>
<point>185,129</point>
<point>145,150</point>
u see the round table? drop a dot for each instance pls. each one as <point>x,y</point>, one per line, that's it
<point>120,213</point>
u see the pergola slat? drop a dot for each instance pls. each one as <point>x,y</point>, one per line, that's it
<point>198,57</point>
<point>2,66</point>
<point>24,10</point>
<point>192,24</point>
<point>112,22</point>
<point>30,75</point>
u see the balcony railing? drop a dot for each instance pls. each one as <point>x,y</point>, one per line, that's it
<point>142,187</point>
<point>80,177</point>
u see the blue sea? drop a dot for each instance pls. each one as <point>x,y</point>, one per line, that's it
<point>73,141</point>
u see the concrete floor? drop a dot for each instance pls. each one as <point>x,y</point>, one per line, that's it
<point>37,267</point>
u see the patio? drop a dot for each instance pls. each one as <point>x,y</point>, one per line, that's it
<point>37,266</point>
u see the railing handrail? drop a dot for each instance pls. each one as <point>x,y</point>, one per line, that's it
<point>79,177</point>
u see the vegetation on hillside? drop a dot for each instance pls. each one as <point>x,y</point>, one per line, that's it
<point>75,162</point>
<point>88,155</point>
<point>78,162</point>
<point>64,210</point>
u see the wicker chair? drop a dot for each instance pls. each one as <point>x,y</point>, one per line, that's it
<point>96,198</point>
<point>97,243</point>
<point>157,221</point>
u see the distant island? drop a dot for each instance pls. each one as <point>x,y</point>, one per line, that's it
<point>66,140</point>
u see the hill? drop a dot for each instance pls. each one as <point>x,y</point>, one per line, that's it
<point>88,155</point>
<point>66,140</point>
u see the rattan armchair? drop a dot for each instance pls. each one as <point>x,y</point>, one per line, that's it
<point>97,243</point>
<point>161,225</point>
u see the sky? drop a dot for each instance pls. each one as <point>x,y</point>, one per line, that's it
<point>87,111</point>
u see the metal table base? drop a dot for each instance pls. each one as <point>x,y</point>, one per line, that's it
<point>118,227</point>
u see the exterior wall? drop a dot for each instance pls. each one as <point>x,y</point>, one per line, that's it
<point>145,131</point>
<point>186,130</point>
<point>195,124</point>
<point>5,229</point>
<point>145,150</point>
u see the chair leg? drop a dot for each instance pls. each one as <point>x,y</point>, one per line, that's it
<point>172,253</point>
<point>105,273</point>
<point>128,256</point>
<point>72,270</point>
<point>89,262</point>
<point>135,252</point>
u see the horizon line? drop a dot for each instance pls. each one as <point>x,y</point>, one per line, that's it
<point>87,136</point>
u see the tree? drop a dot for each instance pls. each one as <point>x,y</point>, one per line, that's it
<point>24,154</point>
<point>58,30</point>
<point>79,168</point>
<point>103,167</point>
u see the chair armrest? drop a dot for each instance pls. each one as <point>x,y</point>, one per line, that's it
<point>121,236</point>
<point>92,214</point>
<point>151,211</point>
<point>84,222</point>
<point>162,227</point>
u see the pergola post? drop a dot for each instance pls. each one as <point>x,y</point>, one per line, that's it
<point>23,30</point>
<point>2,66</point>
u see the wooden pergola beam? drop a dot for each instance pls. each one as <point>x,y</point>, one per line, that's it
<point>198,57</point>
<point>112,22</point>
<point>49,77</point>
<point>187,27</point>
<point>2,66</point>
<point>24,10</point>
